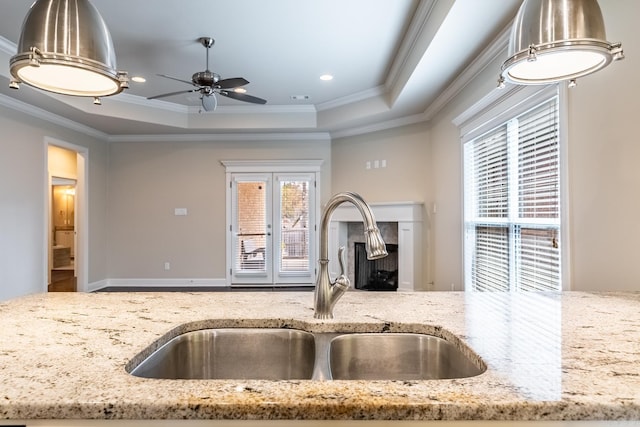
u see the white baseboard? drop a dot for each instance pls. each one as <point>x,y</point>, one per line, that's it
<point>141,283</point>
<point>94,286</point>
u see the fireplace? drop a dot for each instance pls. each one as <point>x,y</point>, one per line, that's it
<point>401,227</point>
<point>377,274</point>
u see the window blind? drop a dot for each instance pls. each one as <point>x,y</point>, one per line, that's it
<point>492,175</point>
<point>512,204</point>
<point>490,270</point>
<point>538,163</point>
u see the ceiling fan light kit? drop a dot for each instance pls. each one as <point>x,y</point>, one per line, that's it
<point>208,84</point>
<point>556,40</point>
<point>65,47</point>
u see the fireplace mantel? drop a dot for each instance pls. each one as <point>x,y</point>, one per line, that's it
<point>408,216</point>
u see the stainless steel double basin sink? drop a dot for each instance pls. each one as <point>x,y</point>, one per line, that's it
<point>288,354</point>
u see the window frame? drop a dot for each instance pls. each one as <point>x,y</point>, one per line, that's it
<point>496,109</point>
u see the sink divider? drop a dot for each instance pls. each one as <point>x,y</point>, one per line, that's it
<point>321,368</point>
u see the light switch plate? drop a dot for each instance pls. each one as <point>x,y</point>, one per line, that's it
<point>180,211</point>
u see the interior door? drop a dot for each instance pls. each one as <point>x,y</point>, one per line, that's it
<point>272,228</point>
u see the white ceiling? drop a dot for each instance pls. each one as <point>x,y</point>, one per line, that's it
<point>390,58</point>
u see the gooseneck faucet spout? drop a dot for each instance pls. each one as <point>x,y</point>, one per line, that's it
<point>327,293</point>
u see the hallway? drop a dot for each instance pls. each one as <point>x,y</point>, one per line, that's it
<point>62,280</point>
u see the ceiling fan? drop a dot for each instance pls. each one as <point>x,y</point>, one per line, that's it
<point>209,83</point>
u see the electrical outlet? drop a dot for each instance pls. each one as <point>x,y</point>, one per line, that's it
<point>167,266</point>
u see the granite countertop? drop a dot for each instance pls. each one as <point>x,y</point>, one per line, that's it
<point>570,356</point>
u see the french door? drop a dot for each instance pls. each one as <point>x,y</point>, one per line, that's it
<point>272,228</point>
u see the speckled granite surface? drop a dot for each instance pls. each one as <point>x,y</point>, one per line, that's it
<point>574,356</point>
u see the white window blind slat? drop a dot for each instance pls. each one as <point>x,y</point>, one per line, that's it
<point>512,174</point>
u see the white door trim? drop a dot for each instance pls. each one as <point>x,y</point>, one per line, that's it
<point>265,166</point>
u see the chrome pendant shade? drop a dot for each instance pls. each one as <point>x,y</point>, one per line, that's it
<point>65,47</point>
<point>555,40</point>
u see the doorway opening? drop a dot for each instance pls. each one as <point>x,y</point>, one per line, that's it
<point>63,207</point>
<point>66,217</point>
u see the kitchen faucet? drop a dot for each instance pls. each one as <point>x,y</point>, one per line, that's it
<point>327,293</point>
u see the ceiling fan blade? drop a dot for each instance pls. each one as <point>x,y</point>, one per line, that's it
<point>177,79</point>
<point>172,93</point>
<point>243,97</point>
<point>209,102</point>
<point>231,83</point>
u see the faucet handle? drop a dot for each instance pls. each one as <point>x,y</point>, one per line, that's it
<point>342,281</point>
<point>341,250</point>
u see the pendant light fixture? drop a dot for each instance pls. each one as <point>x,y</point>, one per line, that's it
<point>555,40</point>
<point>65,47</point>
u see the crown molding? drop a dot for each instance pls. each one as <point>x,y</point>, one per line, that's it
<point>350,99</point>
<point>221,109</point>
<point>224,137</point>
<point>417,27</point>
<point>487,101</point>
<point>497,105</point>
<point>376,127</point>
<point>257,109</point>
<point>7,46</point>
<point>39,113</point>
<point>154,103</point>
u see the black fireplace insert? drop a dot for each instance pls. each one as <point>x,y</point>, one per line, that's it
<point>376,275</point>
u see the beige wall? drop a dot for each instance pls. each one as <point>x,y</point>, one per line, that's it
<point>406,178</point>
<point>148,180</point>
<point>62,162</point>
<point>604,152</point>
<point>23,183</point>
<point>447,183</point>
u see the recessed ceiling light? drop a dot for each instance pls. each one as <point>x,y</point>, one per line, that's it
<point>326,77</point>
<point>138,79</point>
<point>240,90</point>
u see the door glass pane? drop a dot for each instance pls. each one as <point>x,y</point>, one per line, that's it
<point>294,225</point>
<point>252,226</point>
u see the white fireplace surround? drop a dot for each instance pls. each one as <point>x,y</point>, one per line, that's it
<point>408,215</point>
